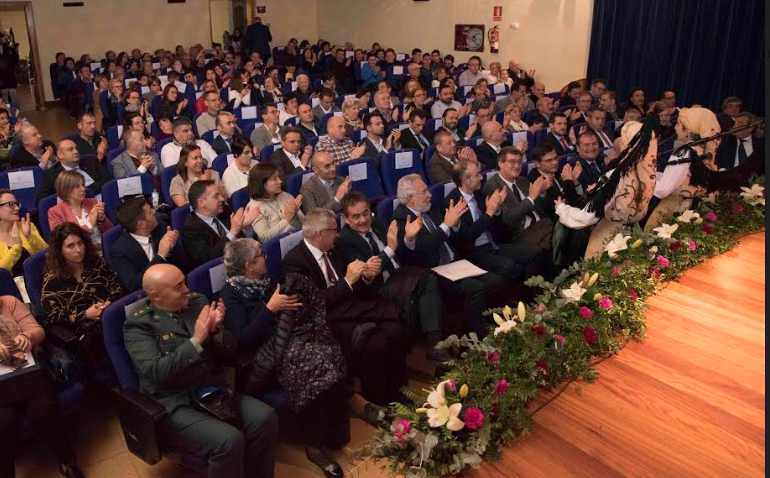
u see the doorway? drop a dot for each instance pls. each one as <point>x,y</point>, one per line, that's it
<point>227,15</point>
<point>19,17</point>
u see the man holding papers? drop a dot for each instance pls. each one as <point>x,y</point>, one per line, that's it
<point>424,241</point>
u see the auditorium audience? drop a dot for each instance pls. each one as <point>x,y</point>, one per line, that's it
<point>183,136</point>
<point>207,120</point>
<point>89,141</point>
<point>75,207</point>
<point>226,132</point>
<point>493,135</point>
<point>34,151</point>
<point>376,145</point>
<point>270,131</point>
<point>446,156</point>
<point>288,159</point>
<point>189,169</point>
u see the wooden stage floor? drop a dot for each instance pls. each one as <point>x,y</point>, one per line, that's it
<point>689,401</point>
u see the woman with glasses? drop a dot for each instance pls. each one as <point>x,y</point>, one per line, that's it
<point>280,210</point>
<point>134,122</point>
<point>75,207</point>
<point>19,238</point>
<point>189,169</point>
<point>133,103</point>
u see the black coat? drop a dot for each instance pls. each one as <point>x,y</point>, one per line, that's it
<point>201,242</point>
<point>89,164</point>
<point>286,168</point>
<point>567,192</point>
<point>728,148</point>
<point>409,141</point>
<point>487,156</point>
<point>464,238</point>
<point>258,39</point>
<point>590,175</point>
<point>554,141</point>
<point>129,260</point>
<point>427,248</point>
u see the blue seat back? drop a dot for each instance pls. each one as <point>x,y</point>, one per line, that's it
<point>247,113</point>
<point>111,155</point>
<point>220,164</point>
<point>386,207</point>
<point>540,135</point>
<point>24,183</point>
<point>240,198</point>
<point>527,136</point>
<point>276,249</point>
<point>33,275</point>
<point>313,141</point>
<point>431,126</point>
<point>159,145</point>
<point>397,164</point>
<point>466,121</point>
<point>165,184</point>
<point>179,216</point>
<point>369,183</point>
<point>208,278</point>
<point>394,74</point>
<point>108,239</point>
<point>291,121</point>
<point>357,135</point>
<point>115,189</point>
<point>71,136</point>
<point>113,136</point>
<point>248,128</point>
<point>295,181</point>
<point>439,192</point>
<point>113,318</point>
<point>8,285</point>
<point>264,154</point>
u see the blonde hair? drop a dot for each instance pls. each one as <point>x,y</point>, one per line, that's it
<point>66,181</point>
<point>350,103</point>
<point>513,106</point>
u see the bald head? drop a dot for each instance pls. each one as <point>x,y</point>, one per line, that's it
<point>67,152</point>
<point>30,137</point>
<point>166,288</point>
<point>160,276</point>
<point>335,128</point>
<point>492,132</point>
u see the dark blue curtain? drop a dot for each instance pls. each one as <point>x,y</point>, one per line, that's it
<point>705,50</point>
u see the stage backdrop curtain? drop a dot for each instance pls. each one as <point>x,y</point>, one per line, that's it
<point>705,50</point>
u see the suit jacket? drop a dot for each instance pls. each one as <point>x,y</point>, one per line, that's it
<point>307,133</point>
<point>220,146</point>
<point>281,160</point>
<point>130,261</point>
<point>590,175</point>
<point>23,159</point>
<point>439,169</point>
<point>728,149</point>
<point>63,213</point>
<point>566,192</point>
<point>261,137</point>
<point>514,210</point>
<point>89,164</point>
<point>459,131</point>
<point>427,248</point>
<point>464,238</point>
<point>314,195</point>
<point>371,151</point>
<point>201,242</point>
<point>123,166</point>
<point>318,114</point>
<point>409,141</point>
<point>554,141</point>
<point>487,156</point>
<point>355,247</point>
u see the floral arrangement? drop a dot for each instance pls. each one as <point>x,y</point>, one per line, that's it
<point>591,310</point>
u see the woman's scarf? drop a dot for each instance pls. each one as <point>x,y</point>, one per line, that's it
<point>252,289</point>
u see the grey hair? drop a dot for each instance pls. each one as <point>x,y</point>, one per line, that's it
<point>316,221</point>
<point>406,187</point>
<point>238,253</point>
<point>350,103</point>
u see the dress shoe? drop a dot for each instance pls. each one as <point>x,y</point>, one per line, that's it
<point>438,356</point>
<point>374,414</point>
<point>325,462</point>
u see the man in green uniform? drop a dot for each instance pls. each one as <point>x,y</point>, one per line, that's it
<point>176,343</point>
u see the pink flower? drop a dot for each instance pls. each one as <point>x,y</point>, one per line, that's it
<point>403,427</point>
<point>540,308</point>
<point>539,330</point>
<point>560,338</point>
<point>590,335</point>
<point>711,217</point>
<point>692,245</point>
<point>452,385</point>
<point>663,261</point>
<point>543,365</point>
<point>654,271</point>
<point>493,358</point>
<point>708,229</point>
<point>737,208</point>
<point>501,387</point>
<point>675,245</point>
<point>474,418</point>
<point>586,313</point>
<point>616,271</point>
<point>605,303</point>
<point>633,294</point>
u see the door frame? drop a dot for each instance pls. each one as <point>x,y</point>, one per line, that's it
<point>32,34</point>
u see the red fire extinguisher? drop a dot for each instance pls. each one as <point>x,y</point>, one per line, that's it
<point>494,39</point>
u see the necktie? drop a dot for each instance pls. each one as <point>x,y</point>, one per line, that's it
<point>220,228</point>
<point>531,217</point>
<point>564,144</point>
<point>330,274</point>
<point>741,152</point>
<point>372,243</point>
<point>605,139</point>
<point>422,142</point>
<point>445,253</point>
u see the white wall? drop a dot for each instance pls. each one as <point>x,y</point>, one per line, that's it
<point>221,19</point>
<point>553,38</point>
<point>18,21</point>
<point>103,25</point>
<point>290,18</point>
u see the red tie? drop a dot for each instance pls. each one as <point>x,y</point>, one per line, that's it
<point>564,143</point>
<point>329,270</point>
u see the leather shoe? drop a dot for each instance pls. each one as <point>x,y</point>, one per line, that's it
<point>72,471</point>
<point>325,462</point>
<point>438,356</point>
<point>374,414</point>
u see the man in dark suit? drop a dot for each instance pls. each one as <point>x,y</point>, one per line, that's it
<point>367,327</point>
<point>93,172</point>
<point>579,114</point>
<point>478,236</point>
<point>522,211</point>
<point>440,165</point>
<point>558,137</point>
<point>258,39</point>
<point>590,158</point>
<point>375,143</point>
<point>597,123</point>
<point>307,123</point>
<point>424,241</point>
<point>545,109</point>
<point>34,151</point>
<point>223,143</point>
<point>325,189</point>
<point>412,137</point>
<point>737,147</point>
<point>288,159</point>
<point>564,184</point>
<point>494,139</point>
<point>208,227</point>
<point>89,141</point>
<point>414,288</point>
<point>450,122</point>
<point>144,242</point>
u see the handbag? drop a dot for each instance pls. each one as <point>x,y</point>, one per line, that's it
<point>218,401</point>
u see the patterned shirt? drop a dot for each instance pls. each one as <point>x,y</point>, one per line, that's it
<point>340,150</point>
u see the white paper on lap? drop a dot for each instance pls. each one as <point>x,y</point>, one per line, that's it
<point>459,270</point>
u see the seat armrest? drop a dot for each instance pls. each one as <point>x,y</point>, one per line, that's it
<point>61,337</point>
<point>140,419</point>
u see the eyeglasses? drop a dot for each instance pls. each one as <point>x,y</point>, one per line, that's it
<point>10,204</point>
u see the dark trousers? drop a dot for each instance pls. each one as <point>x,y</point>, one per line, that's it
<point>326,421</point>
<point>476,293</point>
<point>43,414</point>
<point>512,261</point>
<point>231,453</point>
<point>425,300</point>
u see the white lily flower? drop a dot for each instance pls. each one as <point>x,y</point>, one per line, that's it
<point>665,231</point>
<point>754,195</point>
<point>575,292</point>
<point>653,249</point>
<point>436,397</point>
<point>688,216</point>
<point>617,244</point>
<point>522,311</point>
<point>506,327</point>
<point>710,199</point>
<point>443,415</point>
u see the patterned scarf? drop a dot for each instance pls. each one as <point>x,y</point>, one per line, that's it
<point>259,289</point>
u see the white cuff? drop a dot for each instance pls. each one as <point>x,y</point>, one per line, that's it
<point>197,346</point>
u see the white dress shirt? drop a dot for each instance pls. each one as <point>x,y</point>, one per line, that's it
<point>413,244</point>
<point>144,243</point>
<point>210,221</point>
<point>516,190</point>
<point>169,155</point>
<point>475,211</point>
<point>747,146</point>
<point>318,255</point>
